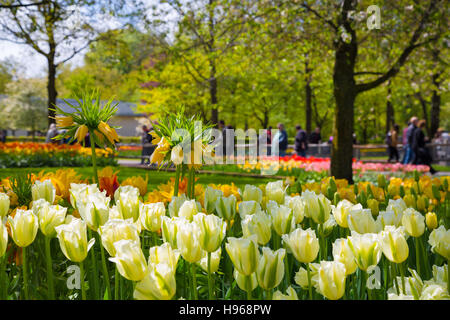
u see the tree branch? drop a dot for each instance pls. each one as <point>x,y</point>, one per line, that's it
<point>318,15</point>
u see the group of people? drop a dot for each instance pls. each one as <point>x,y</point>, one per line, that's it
<point>414,142</point>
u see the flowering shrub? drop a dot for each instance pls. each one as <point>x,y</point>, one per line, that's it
<point>32,154</point>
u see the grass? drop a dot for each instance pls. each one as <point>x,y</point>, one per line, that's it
<point>155,177</point>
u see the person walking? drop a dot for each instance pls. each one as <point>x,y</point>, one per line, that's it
<point>301,143</point>
<point>421,153</point>
<point>392,142</point>
<point>51,133</point>
<point>147,147</point>
<point>315,136</point>
<point>281,139</point>
<point>405,140</point>
<point>409,153</point>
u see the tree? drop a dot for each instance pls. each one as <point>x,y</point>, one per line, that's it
<point>60,29</point>
<point>25,105</point>
<point>348,43</point>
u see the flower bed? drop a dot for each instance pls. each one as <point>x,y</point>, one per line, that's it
<point>33,154</point>
<point>310,240</point>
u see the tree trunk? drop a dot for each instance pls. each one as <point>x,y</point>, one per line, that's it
<point>344,94</point>
<point>389,110</point>
<point>308,93</point>
<point>51,89</point>
<point>435,107</point>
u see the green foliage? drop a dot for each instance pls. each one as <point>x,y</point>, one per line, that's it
<point>21,185</point>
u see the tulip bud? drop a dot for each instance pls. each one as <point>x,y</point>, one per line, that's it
<point>226,207</point>
<point>290,295</point>
<point>243,253</point>
<point>332,279</point>
<point>188,241</point>
<point>373,206</point>
<point>127,201</point>
<point>246,283</point>
<point>282,219</point>
<point>247,208</point>
<point>117,229</point>
<point>361,220</point>
<point>252,193</point>
<point>151,215</point>
<point>393,244</point>
<point>73,240</point>
<point>422,203</point>
<point>436,192</point>
<point>410,201</point>
<point>169,229</point>
<point>3,239</point>
<point>381,181</point>
<point>51,217</point>
<point>340,212</point>
<point>270,269</point>
<point>4,205</point>
<point>259,224</point>
<point>416,176</point>
<point>298,208</point>
<point>130,260</point>
<point>431,220</point>
<point>212,231</point>
<point>275,191</point>
<point>211,196</point>
<point>24,227</point>
<point>215,260</point>
<point>343,254</point>
<point>43,190</point>
<point>402,191</point>
<point>175,204</point>
<point>439,240</point>
<point>413,222</point>
<point>366,249</point>
<point>303,244</point>
<point>158,284</point>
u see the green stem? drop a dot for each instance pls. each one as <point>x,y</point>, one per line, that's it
<point>94,266</point>
<point>448,276</point>
<point>287,273</point>
<point>48,255</point>
<point>25,273</point>
<point>210,288</point>
<point>394,278</point>
<point>105,269</point>
<point>402,273</point>
<point>308,270</point>
<point>83,290</point>
<point>268,294</point>
<point>94,157</point>
<point>194,281</point>
<point>3,288</point>
<point>177,180</point>
<point>116,284</point>
<point>417,244</point>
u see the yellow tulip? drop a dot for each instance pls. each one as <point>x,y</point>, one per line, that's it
<point>109,132</point>
<point>94,209</point>
<point>343,254</point>
<point>249,207</point>
<point>373,206</point>
<point>244,254</point>
<point>434,291</point>
<point>393,244</point>
<point>270,269</point>
<point>298,208</point>
<point>176,156</point>
<point>4,205</point>
<point>72,238</point>
<point>252,193</point>
<point>361,220</point>
<point>188,210</point>
<point>117,229</point>
<point>130,260</point>
<point>301,277</point>
<point>215,260</point>
<point>259,224</point>
<point>188,241</point>
<point>282,218</point>
<point>3,239</point>
<point>332,279</point>
<point>81,133</point>
<point>275,191</point>
<point>151,215</point>
<point>50,217</point>
<point>24,227</point>
<point>175,204</point>
<point>246,283</point>
<point>127,201</point>
<point>43,190</point>
<point>158,284</point>
<point>366,248</point>
<point>169,229</point>
<point>414,222</point>
<point>164,254</point>
<point>340,212</point>
<point>317,207</point>
<point>290,294</point>
<point>303,244</point>
<point>212,231</point>
<point>226,207</point>
<point>211,196</point>
<point>431,220</point>
<point>440,242</point>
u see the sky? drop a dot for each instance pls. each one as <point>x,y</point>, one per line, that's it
<point>32,64</point>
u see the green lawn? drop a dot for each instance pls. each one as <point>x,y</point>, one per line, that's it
<point>155,177</point>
